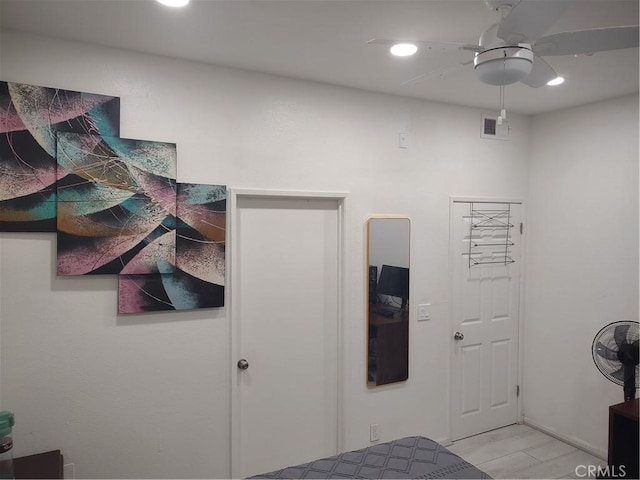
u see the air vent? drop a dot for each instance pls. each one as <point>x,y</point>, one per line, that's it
<point>491,129</point>
<point>489,126</point>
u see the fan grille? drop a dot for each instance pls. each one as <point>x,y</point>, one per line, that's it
<point>607,344</point>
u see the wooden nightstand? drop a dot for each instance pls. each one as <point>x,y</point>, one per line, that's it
<point>41,465</point>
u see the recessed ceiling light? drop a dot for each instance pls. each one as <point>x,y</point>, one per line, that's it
<point>403,49</point>
<point>173,3</point>
<point>556,81</point>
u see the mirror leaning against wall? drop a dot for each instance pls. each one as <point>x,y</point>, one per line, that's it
<point>388,245</point>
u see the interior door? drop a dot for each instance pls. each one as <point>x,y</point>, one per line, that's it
<point>285,303</point>
<point>486,263</point>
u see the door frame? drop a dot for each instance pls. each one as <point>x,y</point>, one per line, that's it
<point>521,296</point>
<point>235,194</point>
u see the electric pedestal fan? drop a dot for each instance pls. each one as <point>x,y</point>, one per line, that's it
<point>615,353</point>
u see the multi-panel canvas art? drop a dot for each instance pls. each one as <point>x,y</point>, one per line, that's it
<point>198,278</point>
<point>115,203</point>
<point>30,118</point>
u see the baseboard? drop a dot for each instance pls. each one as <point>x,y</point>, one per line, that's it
<point>445,442</point>
<point>590,449</point>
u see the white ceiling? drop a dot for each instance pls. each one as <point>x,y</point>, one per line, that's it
<point>325,41</point>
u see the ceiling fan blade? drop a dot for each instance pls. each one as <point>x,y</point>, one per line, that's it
<point>588,41</point>
<point>620,334</point>
<point>428,45</point>
<point>606,352</point>
<point>528,20</point>
<point>540,74</point>
<point>426,76</point>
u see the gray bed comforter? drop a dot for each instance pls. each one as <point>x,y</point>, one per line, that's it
<point>409,457</point>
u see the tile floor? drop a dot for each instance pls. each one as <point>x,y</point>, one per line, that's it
<point>519,451</point>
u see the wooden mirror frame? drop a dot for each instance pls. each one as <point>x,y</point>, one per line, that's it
<point>387,299</point>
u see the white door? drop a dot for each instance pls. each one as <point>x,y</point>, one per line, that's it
<point>486,264</point>
<point>285,313</point>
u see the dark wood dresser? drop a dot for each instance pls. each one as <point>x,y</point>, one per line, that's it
<point>623,438</point>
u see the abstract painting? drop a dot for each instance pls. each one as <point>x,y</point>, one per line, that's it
<point>116,205</point>
<point>198,279</point>
<point>114,202</point>
<point>30,117</point>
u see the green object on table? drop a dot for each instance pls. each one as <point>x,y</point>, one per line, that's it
<point>6,445</point>
<point>6,423</point>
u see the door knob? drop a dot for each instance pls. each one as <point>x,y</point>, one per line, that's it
<point>243,364</point>
<point>458,336</point>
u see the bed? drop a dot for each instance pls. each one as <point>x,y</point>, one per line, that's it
<point>409,457</point>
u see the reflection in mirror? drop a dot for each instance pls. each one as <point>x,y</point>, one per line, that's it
<point>388,304</point>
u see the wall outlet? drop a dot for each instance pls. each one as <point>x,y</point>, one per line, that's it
<point>374,432</point>
<point>69,470</point>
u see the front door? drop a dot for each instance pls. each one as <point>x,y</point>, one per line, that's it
<point>485,249</point>
<point>285,314</point>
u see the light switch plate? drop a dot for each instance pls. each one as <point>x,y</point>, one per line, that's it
<point>424,313</point>
<point>403,140</point>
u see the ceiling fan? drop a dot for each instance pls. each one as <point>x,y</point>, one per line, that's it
<point>511,51</point>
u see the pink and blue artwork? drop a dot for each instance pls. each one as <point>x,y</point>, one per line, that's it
<point>30,118</point>
<point>199,276</point>
<point>116,205</point>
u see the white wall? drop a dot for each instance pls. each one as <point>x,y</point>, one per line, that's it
<point>149,395</point>
<point>582,269</point>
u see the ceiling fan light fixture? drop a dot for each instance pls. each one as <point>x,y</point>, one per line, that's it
<point>504,65</point>
<point>174,3</point>
<point>403,49</point>
<point>556,81</point>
